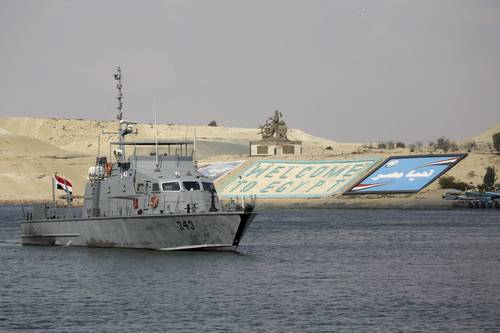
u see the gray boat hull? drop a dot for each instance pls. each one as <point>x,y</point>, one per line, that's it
<point>213,231</point>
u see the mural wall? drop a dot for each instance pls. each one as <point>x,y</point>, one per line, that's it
<point>294,179</point>
<point>406,174</point>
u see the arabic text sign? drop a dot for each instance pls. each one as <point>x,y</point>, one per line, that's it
<point>295,179</point>
<point>406,174</point>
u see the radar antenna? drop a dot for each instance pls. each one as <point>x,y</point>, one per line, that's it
<point>119,97</point>
<point>124,127</point>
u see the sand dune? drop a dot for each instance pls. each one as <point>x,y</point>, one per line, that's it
<point>25,178</point>
<point>487,136</point>
<point>82,135</point>
<point>20,145</point>
<point>207,149</point>
<point>27,165</point>
<point>33,149</point>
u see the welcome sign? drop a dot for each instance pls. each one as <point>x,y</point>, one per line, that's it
<point>294,179</point>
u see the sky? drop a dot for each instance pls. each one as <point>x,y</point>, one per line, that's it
<point>349,71</point>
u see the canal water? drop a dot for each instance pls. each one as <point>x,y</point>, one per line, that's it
<point>296,271</point>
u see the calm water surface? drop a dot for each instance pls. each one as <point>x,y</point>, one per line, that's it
<point>296,271</point>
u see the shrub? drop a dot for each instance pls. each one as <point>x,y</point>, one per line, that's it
<point>443,144</point>
<point>390,145</point>
<point>213,123</point>
<point>470,145</point>
<point>496,142</point>
<point>449,182</point>
<point>489,179</point>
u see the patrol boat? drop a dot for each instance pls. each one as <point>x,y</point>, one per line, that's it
<point>152,198</point>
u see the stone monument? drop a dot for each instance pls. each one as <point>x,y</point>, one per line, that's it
<point>274,140</point>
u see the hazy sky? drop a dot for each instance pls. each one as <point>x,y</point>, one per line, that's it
<point>345,70</point>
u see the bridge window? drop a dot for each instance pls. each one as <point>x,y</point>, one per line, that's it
<point>140,188</point>
<point>207,186</point>
<point>191,186</point>
<point>156,187</point>
<point>171,186</point>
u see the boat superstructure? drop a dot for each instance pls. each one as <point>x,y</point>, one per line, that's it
<point>147,194</point>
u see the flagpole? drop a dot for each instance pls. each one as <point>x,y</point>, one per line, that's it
<point>54,197</point>
<point>67,198</point>
<point>194,148</point>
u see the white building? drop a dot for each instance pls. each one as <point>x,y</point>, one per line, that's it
<point>275,147</point>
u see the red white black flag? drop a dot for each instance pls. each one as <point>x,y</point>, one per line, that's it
<point>63,184</point>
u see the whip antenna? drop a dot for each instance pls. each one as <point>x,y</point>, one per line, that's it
<point>156,137</point>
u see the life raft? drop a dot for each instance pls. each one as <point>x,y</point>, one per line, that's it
<point>154,201</point>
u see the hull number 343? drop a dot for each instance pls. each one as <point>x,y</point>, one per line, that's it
<point>185,225</point>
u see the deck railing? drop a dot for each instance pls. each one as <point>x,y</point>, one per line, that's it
<point>165,207</point>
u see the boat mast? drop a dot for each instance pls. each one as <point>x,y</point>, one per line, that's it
<point>124,127</point>
<point>119,107</point>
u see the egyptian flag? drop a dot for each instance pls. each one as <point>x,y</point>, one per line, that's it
<point>63,184</point>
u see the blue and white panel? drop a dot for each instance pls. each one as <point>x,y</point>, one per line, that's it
<point>406,174</point>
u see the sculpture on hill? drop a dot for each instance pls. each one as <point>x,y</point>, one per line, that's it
<point>274,128</point>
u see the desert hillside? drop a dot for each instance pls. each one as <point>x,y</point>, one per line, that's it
<point>27,166</point>
<point>33,149</point>
<point>81,136</point>
<point>487,136</point>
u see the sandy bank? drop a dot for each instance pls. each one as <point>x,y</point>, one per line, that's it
<point>406,204</point>
<point>33,149</point>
